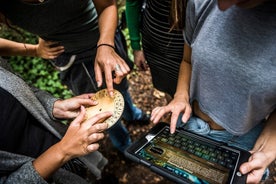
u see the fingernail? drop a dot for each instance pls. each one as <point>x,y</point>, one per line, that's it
<point>98,84</point>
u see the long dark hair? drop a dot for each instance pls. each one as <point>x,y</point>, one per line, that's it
<point>177,15</point>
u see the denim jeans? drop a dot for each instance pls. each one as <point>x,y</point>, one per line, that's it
<point>246,141</point>
<point>118,133</point>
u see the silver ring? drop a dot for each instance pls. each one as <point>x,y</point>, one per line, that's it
<point>117,68</point>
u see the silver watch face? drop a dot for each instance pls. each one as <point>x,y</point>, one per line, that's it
<point>106,103</point>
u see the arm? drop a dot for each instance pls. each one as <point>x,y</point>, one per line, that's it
<point>11,48</point>
<point>180,102</point>
<point>133,18</point>
<point>44,49</point>
<point>106,58</point>
<point>263,153</point>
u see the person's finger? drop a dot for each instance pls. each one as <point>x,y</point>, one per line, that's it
<point>154,112</point>
<point>79,119</point>
<point>83,102</point>
<point>252,163</point>
<point>53,44</point>
<point>93,147</point>
<point>98,75</point>
<point>98,118</point>
<point>144,65</point>
<point>95,137</point>
<point>109,80</point>
<point>121,70</point>
<point>160,113</point>
<point>187,114</point>
<point>118,71</point>
<point>98,127</point>
<point>255,167</point>
<point>121,67</point>
<point>174,118</point>
<point>55,50</point>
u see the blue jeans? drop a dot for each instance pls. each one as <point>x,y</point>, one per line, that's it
<point>118,133</point>
<point>246,141</point>
<point>131,112</point>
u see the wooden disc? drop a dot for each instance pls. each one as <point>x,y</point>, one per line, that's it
<point>106,103</point>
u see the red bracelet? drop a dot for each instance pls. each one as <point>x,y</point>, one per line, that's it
<point>105,44</point>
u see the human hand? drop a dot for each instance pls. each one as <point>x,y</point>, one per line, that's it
<point>175,107</point>
<point>139,60</point>
<point>48,49</point>
<point>70,108</point>
<point>82,136</point>
<point>107,61</point>
<point>255,167</point>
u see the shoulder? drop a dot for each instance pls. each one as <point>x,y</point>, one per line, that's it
<point>196,13</point>
<point>197,7</point>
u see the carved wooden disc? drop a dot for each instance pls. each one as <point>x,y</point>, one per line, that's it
<point>106,103</point>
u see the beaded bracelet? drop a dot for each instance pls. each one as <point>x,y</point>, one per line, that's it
<point>105,44</point>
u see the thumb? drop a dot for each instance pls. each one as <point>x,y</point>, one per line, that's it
<point>79,119</point>
<point>245,168</point>
<point>254,163</point>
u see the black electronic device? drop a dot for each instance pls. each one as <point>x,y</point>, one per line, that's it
<point>185,157</point>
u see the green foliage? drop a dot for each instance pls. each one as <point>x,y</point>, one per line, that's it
<point>121,9</point>
<point>41,74</point>
<point>35,71</point>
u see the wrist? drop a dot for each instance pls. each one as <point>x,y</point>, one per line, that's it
<point>61,154</point>
<point>181,95</point>
<point>31,50</point>
<point>35,52</point>
<point>135,44</point>
<point>105,42</point>
<point>137,52</point>
<point>105,45</point>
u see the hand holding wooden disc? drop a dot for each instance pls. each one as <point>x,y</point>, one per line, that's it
<point>106,103</point>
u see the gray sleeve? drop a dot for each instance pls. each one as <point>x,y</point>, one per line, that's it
<point>46,99</point>
<point>189,22</point>
<point>26,174</point>
<point>196,13</point>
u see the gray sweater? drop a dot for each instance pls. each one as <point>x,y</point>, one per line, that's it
<point>16,168</point>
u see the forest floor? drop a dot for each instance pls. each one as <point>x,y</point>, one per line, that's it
<point>145,97</point>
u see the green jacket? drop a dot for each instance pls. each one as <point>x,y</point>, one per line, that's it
<point>133,18</point>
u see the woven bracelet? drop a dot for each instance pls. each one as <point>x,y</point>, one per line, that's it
<point>105,44</point>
